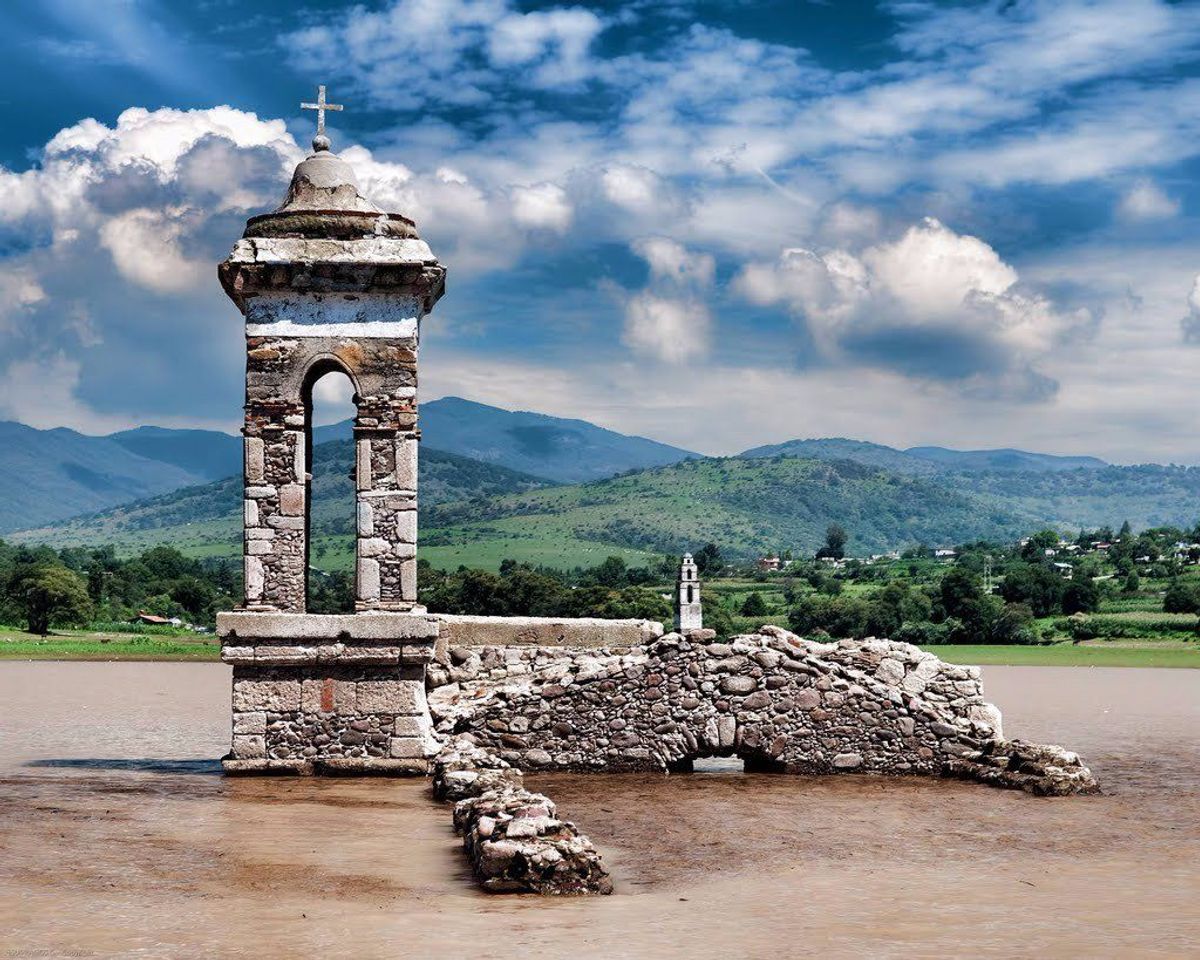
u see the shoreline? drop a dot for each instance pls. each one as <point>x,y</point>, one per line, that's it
<point>84,648</point>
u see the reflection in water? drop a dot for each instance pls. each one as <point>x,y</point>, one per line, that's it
<point>208,768</point>
<point>117,837</point>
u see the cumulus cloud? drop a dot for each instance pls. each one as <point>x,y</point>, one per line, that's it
<point>543,206</point>
<point>934,305</point>
<point>145,248</point>
<point>670,319</point>
<point>1146,201</point>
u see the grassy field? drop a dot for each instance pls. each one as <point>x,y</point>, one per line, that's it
<point>84,645</point>
<point>1098,654</point>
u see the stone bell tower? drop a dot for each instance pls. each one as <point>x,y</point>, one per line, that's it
<point>330,282</point>
<point>688,615</point>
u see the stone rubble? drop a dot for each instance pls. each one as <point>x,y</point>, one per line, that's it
<point>779,702</point>
<point>514,839</point>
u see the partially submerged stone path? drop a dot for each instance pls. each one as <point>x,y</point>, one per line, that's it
<point>779,702</point>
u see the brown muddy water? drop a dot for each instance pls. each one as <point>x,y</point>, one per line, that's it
<point>120,838</point>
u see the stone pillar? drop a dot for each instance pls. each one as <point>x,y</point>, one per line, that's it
<point>329,282</point>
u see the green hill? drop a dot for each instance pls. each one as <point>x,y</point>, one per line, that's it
<point>478,514</point>
<point>206,520</point>
<point>745,505</point>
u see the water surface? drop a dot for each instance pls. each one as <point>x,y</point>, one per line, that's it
<point>119,838</point>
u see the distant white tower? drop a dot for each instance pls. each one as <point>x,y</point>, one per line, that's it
<point>688,615</point>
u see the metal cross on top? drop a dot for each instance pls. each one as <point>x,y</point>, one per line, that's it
<point>320,141</point>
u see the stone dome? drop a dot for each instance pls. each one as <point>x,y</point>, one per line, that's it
<point>323,202</point>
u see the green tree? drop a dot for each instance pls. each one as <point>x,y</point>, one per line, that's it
<point>835,542</point>
<point>1035,584</point>
<point>708,559</point>
<point>1133,583</point>
<point>754,605</point>
<point>611,573</point>
<point>1181,598</point>
<point>52,595</point>
<point>1081,596</point>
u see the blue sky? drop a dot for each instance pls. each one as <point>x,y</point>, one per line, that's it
<point>719,224</point>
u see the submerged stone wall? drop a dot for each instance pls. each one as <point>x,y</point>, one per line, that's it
<point>514,839</point>
<point>779,702</point>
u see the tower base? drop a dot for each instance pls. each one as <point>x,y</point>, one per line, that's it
<point>336,694</point>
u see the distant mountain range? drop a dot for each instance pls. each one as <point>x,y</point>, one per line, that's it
<point>478,513</point>
<point>49,475</point>
<point>925,461</point>
<point>509,484</point>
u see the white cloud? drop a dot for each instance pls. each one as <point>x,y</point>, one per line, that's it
<point>557,39</point>
<point>145,247</point>
<point>671,261</point>
<point>671,329</point>
<point>934,304</point>
<point>41,392</point>
<point>20,292</point>
<point>414,52</point>
<point>670,320</point>
<point>1146,201</point>
<point>543,206</point>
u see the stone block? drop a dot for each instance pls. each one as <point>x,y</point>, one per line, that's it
<point>376,625</point>
<point>290,654</point>
<point>407,748</point>
<point>368,579</point>
<point>236,654</point>
<point>260,492</point>
<point>362,470</point>
<point>392,696</point>
<point>255,460</point>
<point>413,726</point>
<point>249,747</point>
<point>255,578</point>
<point>250,724</point>
<point>366,519</point>
<point>259,548</point>
<point>274,696</point>
<point>406,526</point>
<point>354,653</point>
<point>286,523</point>
<point>250,513</point>
<point>406,464</point>
<point>260,533</point>
<point>299,457</point>
<point>291,499</point>
<point>408,579</point>
<point>372,546</point>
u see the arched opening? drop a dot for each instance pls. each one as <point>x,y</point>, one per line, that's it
<point>330,535</point>
<point>690,596</point>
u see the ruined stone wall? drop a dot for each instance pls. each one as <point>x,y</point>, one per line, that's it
<point>779,702</point>
<point>514,839</point>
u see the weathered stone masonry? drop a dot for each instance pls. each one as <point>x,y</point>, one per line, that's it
<point>779,702</point>
<point>329,282</point>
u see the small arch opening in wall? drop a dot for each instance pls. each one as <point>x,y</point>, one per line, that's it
<point>330,515</point>
<point>728,763</point>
